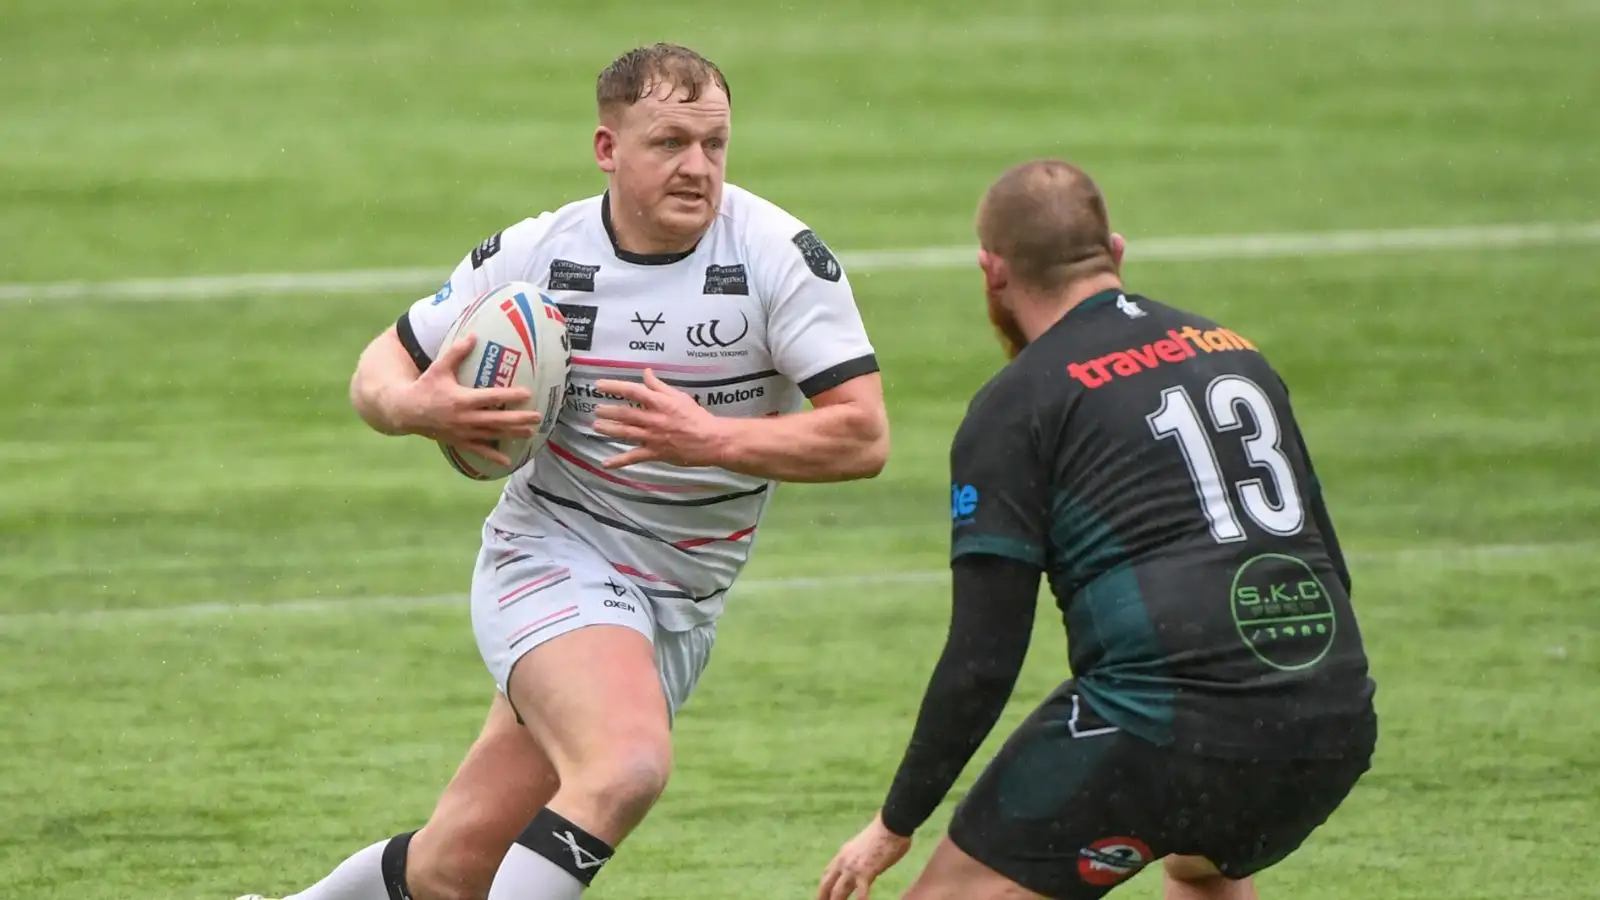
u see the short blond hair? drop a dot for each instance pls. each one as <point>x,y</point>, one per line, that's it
<point>1047,219</point>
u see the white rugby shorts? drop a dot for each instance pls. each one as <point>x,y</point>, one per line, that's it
<point>530,588</point>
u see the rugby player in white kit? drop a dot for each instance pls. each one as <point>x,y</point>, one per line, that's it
<point>701,319</point>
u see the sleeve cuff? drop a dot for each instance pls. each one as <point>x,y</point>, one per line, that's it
<point>408,340</point>
<point>832,377</point>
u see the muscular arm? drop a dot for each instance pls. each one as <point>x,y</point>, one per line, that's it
<point>844,436</point>
<point>991,622</point>
<point>385,369</point>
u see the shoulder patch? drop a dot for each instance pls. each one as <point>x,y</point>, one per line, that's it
<point>489,247</point>
<point>819,259</point>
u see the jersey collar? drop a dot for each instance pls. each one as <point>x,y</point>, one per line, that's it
<point>1109,295</point>
<point>627,256</point>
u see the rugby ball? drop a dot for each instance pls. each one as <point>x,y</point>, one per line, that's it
<point>521,342</point>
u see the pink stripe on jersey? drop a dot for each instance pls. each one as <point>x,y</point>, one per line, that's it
<point>535,624</point>
<point>701,542</point>
<point>597,363</point>
<point>631,572</point>
<point>517,592</point>
<point>598,472</point>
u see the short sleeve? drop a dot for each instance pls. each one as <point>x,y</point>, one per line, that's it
<point>999,483</point>
<point>814,330</point>
<point>503,256</point>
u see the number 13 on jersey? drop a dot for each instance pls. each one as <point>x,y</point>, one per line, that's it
<point>1226,398</point>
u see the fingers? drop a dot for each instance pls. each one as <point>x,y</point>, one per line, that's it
<point>628,415</point>
<point>829,877</point>
<point>632,434</point>
<point>501,419</point>
<point>653,382</point>
<point>632,457</point>
<point>485,451</point>
<point>627,390</point>
<point>483,398</point>
<point>451,358</point>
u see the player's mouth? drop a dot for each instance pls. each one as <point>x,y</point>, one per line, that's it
<point>687,196</point>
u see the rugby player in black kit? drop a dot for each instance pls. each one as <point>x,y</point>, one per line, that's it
<point>1146,461</point>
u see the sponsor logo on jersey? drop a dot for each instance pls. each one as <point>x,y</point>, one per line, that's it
<point>727,280</point>
<point>963,503</point>
<point>580,324</point>
<point>482,252</point>
<point>647,326</point>
<point>497,367</point>
<point>819,259</point>
<point>714,337</point>
<point>444,293</point>
<point>1112,860</point>
<point>734,395</point>
<point>1176,348</point>
<point>583,397</point>
<point>566,275</point>
<point>1129,308</point>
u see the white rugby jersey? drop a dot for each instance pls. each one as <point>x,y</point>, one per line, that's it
<point>753,320</point>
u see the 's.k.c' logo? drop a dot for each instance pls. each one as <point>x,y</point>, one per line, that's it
<point>963,502</point>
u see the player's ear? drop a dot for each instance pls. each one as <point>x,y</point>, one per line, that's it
<point>1119,246</point>
<point>605,149</point>
<point>995,274</point>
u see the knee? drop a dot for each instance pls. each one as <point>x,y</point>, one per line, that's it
<point>630,780</point>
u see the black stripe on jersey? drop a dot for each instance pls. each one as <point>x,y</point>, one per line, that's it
<point>721,382</point>
<point>690,383</point>
<point>656,593</point>
<point>408,340</point>
<point>603,520</point>
<point>832,378</point>
<point>667,501</point>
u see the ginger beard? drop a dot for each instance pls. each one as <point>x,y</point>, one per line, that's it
<point>1007,331</point>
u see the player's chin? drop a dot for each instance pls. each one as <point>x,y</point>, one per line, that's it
<point>685,212</point>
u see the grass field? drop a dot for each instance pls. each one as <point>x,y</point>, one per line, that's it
<point>181,477</point>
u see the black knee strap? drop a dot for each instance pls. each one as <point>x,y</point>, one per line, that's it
<point>578,853</point>
<point>394,866</point>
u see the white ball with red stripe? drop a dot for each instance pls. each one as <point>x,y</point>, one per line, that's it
<point>522,342</point>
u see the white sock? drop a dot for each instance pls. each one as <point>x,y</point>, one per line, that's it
<point>358,878</point>
<point>525,875</point>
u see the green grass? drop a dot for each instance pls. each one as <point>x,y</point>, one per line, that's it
<point>162,454</point>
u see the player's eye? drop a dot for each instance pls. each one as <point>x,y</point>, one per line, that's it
<point>671,143</point>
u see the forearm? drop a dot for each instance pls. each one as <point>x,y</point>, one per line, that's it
<point>383,371</point>
<point>991,622</point>
<point>831,443</point>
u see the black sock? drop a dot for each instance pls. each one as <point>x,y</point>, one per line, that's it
<point>394,866</point>
<point>577,852</point>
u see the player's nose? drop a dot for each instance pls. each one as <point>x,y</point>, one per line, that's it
<point>695,163</point>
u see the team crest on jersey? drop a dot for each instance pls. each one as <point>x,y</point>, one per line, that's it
<point>482,252</point>
<point>727,280</point>
<point>819,259</point>
<point>566,275</point>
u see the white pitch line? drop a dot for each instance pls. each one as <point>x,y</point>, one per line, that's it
<point>1437,555</point>
<point>1171,249</point>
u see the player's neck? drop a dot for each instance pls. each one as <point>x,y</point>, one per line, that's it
<point>1045,310</point>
